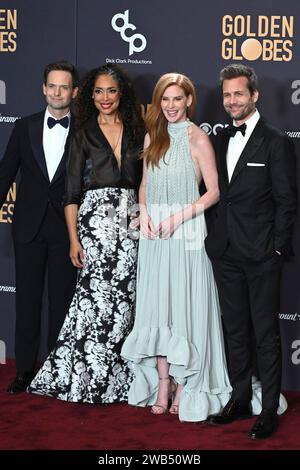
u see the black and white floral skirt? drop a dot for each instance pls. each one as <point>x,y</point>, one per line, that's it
<point>86,365</point>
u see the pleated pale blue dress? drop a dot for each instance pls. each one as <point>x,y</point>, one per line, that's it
<point>177,307</point>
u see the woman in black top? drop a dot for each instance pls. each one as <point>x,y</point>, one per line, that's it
<point>103,175</point>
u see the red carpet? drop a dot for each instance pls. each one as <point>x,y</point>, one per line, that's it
<point>32,422</point>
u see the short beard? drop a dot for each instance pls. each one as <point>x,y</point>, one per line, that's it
<point>244,114</point>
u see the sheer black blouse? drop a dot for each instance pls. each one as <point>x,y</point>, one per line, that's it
<point>92,164</point>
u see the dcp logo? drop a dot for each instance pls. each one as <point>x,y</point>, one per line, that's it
<point>133,47</point>
<point>2,92</point>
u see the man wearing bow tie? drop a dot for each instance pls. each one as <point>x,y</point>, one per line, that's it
<point>249,239</point>
<point>37,148</point>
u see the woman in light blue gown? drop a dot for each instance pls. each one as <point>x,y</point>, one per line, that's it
<point>177,339</point>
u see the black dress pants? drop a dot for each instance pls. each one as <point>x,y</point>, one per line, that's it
<point>249,299</point>
<point>49,249</point>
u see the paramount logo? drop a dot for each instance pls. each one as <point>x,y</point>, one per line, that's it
<point>293,134</point>
<point>7,289</point>
<point>289,316</point>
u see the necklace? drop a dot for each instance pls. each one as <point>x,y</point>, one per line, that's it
<point>120,133</point>
<point>113,147</point>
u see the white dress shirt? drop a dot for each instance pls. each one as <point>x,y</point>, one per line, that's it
<point>54,141</point>
<point>237,143</point>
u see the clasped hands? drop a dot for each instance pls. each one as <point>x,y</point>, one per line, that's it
<point>164,230</point>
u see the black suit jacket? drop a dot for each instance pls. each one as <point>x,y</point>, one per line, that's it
<point>257,208</point>
<point>24,152</point>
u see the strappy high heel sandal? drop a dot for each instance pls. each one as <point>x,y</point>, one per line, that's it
<point>174,408</point>
<point>158,408</point>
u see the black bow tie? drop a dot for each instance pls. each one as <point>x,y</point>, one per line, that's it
<point>232,130</point>
<point>63,122</point>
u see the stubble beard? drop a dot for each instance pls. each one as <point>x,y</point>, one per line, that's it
<point>244,113</point>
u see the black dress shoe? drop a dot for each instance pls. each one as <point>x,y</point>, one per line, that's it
<point>231,412</point>
<point>20,383</point>
<point>265,425</point>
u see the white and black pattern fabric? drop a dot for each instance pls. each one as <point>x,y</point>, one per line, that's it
<point>86,365</point>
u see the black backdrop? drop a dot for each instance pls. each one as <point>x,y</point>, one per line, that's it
<point>148,39</point>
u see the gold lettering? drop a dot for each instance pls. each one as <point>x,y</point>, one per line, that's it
<point>6,213</point>
<point>267,53</point>
<point>8,18</point>
<point>277,50</point>
<point>273,29</point>
<point>3,41</point>
<point>12,193</point>
<point>274,26</point>
<point>7,41</point>
<point>2,19</point>
<point>239,25</point>
<point>248,27</point>
<point>3,213</point>
<point>12,39</point>
<point>227,25</point>
<point>286,47</point>
<point>227,49</point>
<point>235,56</point>
<point>263,26</point>
<point>287,27</point>
<point>10,211</point>
<point>11,19</point>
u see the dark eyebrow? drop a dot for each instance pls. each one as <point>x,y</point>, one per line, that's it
<point>109,88</point>
<point>58,84</point>
<point>177,96</point>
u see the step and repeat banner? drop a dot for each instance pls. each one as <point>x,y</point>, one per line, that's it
<point>149,39</point>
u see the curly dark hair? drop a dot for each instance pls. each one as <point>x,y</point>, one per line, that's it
<point>129,108</point>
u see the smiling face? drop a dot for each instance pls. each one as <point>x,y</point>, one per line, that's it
<point>238,102</point>
<point>106,95</point>
<point>174,103</point>
<point>59,92</point>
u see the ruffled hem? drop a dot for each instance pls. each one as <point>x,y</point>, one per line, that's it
<point>196,403</point>
<point>206,391</point>
<point>145,344</point>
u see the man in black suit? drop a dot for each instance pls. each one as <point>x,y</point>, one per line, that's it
<point>250,237</point>
<point>37,148</point>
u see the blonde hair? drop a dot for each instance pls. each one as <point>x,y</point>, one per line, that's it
<point>156,123</point>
